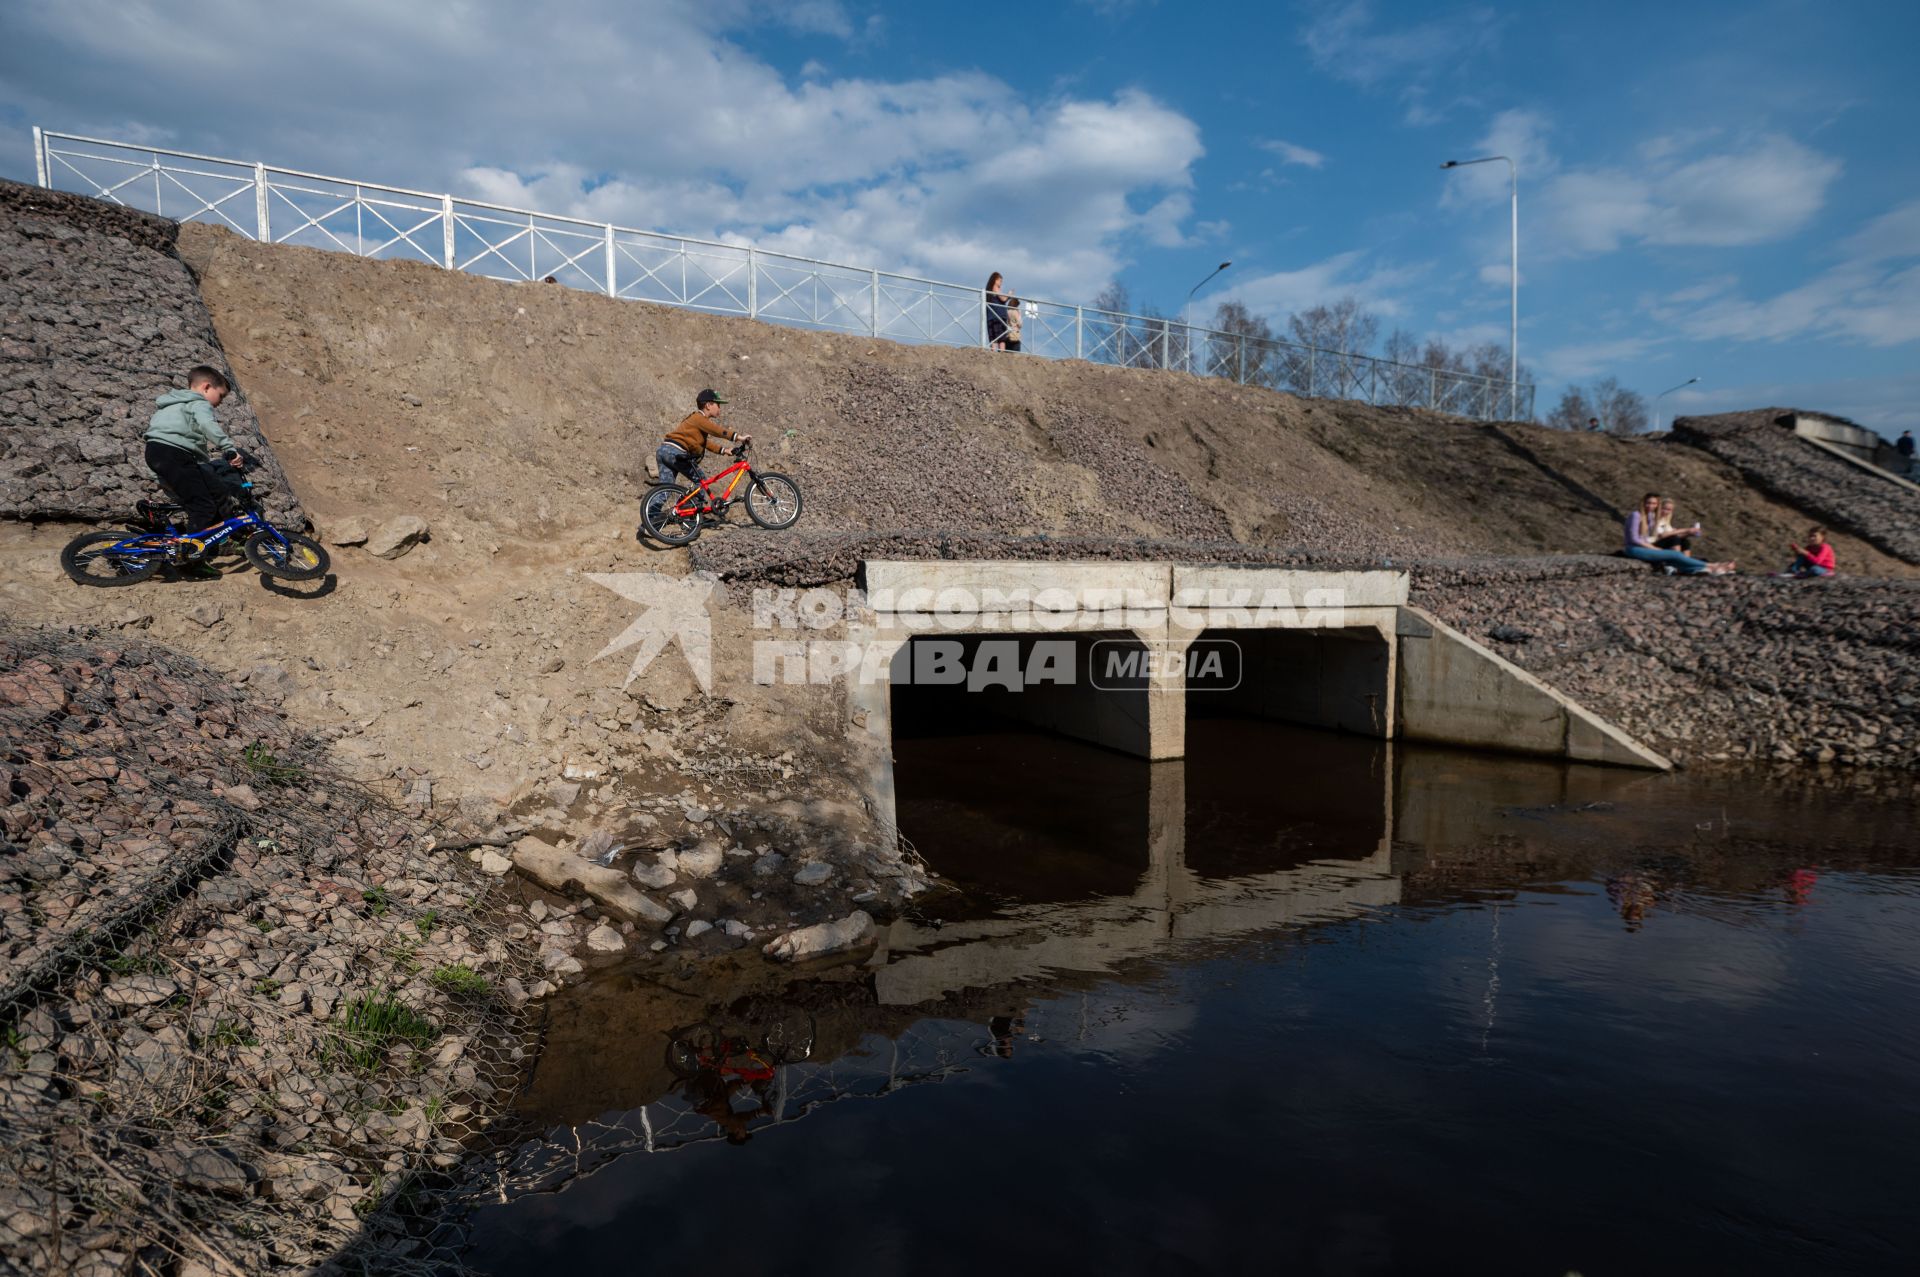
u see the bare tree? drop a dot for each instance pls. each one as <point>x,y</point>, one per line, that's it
<point>1346,326</point>
<point>1605,405</point>
<point>1113,297</point>
<point>1407,381</point>
<point>1621,411</point>
<point>1572,412</point>
<point>1243,344</point>
<point>1114,339</point>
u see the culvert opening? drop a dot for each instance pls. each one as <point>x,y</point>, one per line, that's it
<point>1335,679</point>
<point>999,781</point>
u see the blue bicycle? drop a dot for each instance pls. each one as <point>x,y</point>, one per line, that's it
<point>115,558</point>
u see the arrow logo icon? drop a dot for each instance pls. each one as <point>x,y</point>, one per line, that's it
<point>674,607</point>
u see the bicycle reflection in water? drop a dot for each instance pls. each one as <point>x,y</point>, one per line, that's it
<point>728,1070</point>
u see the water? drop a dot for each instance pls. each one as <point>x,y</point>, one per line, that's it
<point>1298,1004</point>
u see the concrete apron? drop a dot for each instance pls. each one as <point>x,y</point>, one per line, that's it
<point>1338,650</point>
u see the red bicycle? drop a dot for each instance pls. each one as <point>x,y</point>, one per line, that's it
<point>674,513</point>
<point>781,1034</point>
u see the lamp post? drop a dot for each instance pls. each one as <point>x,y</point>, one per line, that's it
<point>1513,278</point>
<point>1663,394</point>
<point>1186,312</point>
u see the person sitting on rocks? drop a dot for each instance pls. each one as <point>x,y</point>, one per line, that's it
<point>182,438</point>
<point>1640,545</point>
<point>680,453</point>
<point>1815,559</point>
<point>1668,537</point>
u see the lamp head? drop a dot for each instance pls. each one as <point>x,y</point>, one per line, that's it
<point>1451,164</point>
<point>1224,265</point>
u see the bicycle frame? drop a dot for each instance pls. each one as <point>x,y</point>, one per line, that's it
<point>703,489</point>
<point>152,543</point>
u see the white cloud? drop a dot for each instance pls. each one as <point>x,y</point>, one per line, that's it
<point>1582,360</point>
<point>1289,153</point>
<point>1346,41</point>
<point>645,113</point>
<point>1754,191</point>
<point>1280,293</point>
<point>1872,295</point>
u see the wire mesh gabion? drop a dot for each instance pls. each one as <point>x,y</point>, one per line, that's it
<point>250,1011</point>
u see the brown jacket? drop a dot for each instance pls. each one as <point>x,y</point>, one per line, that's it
<point>698,434</point>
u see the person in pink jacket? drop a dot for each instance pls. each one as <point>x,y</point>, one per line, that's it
<point>1813,559</point>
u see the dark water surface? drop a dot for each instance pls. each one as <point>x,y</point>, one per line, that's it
<point>1299,1003</point>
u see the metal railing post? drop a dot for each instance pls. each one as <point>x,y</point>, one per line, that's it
<point>1433,387</point>
<point>873,315</point>
<point>1310,361</point>
<point>1240,359</point>
<point>983,319</point>
<point>260,203</point>
<point>446,224</point>
<point>753,283</point>
<point>613,278</point>
<point>1079,332</point>
<point>39,156</point>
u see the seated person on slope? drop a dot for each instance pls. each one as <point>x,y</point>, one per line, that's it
<point>1640,532</point>
<point>1814,559</point>
<point>183,437</point>
<point>1668,537</point>
<point>698,434</point>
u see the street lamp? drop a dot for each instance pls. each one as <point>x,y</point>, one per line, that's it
<point>1186,312</point>
<point>1663,394</point>
<point>1513,277</point>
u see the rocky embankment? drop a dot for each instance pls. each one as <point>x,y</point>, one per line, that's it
<point>246,1000</point>
<point>1708,670</point>
<point>1840,496</point>
<point>98,314</point>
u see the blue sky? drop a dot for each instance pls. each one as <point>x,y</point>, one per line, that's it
<point>1722,189</point>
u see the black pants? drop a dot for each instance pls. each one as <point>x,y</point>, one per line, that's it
<point>1680,543</point>
<point>193,481</point>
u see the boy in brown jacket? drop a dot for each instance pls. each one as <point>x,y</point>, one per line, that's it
<point>689,441</point>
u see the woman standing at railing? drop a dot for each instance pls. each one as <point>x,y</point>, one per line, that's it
<point>998,304</point>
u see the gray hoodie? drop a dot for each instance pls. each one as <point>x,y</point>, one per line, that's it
<point>185,421</point>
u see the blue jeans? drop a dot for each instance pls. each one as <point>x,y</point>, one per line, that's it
<point>1803,566</point>
<point>674,460</point>
<point>1682,562</point>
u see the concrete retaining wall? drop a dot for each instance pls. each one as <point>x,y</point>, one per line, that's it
<point>1452,691</point>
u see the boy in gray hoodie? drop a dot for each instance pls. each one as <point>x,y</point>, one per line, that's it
<point>182,439</point>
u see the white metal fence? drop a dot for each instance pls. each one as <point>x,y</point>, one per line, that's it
<point>286,206</point>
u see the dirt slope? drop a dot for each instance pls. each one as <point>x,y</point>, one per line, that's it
<point>516,420</point>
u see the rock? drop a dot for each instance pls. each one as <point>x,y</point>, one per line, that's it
<point>685,899</point>
<point>596,845</point>
<point>604,939</point>
<point>207,615</point>
<point>242,796</point>
<point>737,929</point>
<point>397,536</point>
<point>493,862</point>
<point>140,991</point>
<point>351,530</point>
<point>822,938</point>
<point>698,928</point>
<point>771,863</point>
<point>812,875</point>
<point>655,875</point>
<point>569,871</point>
<point>205,1170</point>
<point>703,861</point>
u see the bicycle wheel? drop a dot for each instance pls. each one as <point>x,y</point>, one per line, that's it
<point>773,501</point>
<point>663,520</point>
<point>693,1050</point>
<point>787,1034</point>
<point>289,556</point>
<point>111,558</point>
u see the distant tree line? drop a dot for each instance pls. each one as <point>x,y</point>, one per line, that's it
<point>1242,345</point>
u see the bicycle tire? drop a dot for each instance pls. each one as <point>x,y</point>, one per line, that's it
<point>773,501</point>
<point>659,519</point>
<point>788,1038</point>
<point>91,550</point>
<point>692,1051</point>
<point>300,559</point>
